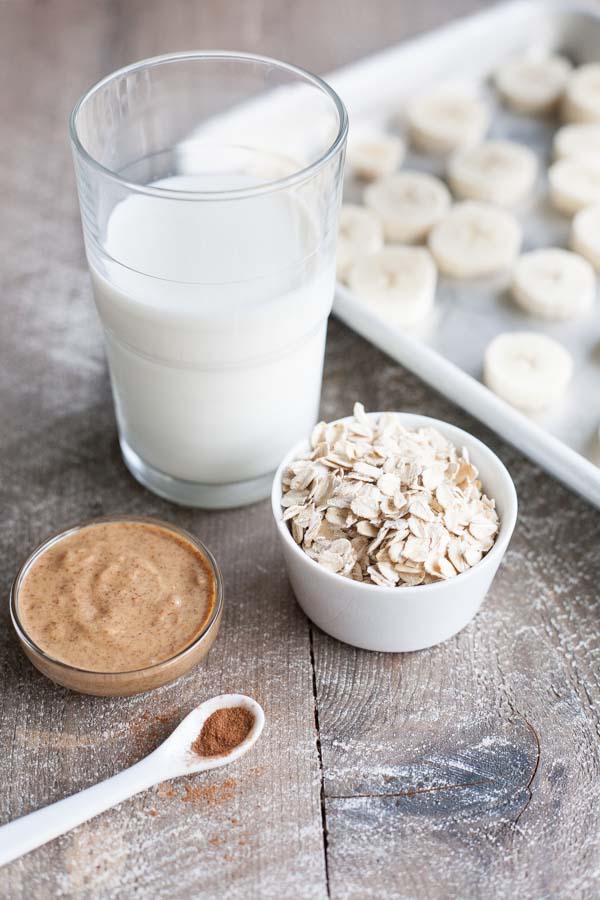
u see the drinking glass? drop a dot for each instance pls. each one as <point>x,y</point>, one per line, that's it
<point>209,186</point>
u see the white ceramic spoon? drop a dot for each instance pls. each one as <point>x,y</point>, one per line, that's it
<point>172,759</point>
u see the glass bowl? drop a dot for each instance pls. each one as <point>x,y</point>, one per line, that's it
<point>136,681</point>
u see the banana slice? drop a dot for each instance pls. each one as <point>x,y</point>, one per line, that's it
<point>398,284</point>
<point>554,284</point>
<point>529,370</point>
<point>360,233</point>
<point>581,102</point>
<point>446,119</point>
<point>581,140</point>
<point>533,85</point>
<point>501,172</point>
<point>574,184</point>
<point>371,156</point>
<point>409,204</point>
<point>585,235</point>
<point>475,240</point>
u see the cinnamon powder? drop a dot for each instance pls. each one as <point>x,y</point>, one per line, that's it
<point>224,730</point>
<point>210,794</point>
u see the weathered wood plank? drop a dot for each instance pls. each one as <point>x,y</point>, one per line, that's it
<point>229,833</point>
<point>472,769</point>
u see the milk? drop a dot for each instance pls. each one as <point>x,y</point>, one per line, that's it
<point>215,316</point>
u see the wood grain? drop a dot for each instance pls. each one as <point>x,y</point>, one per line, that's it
<point>468,770</point>
<point>230,833</point>
<point>477,761</point>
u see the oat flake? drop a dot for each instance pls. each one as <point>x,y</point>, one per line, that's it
<point>388,505</point>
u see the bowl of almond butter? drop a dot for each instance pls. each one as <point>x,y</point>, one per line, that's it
<point>392,527</point>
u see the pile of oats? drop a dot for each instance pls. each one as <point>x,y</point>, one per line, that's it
<point>387,505</point>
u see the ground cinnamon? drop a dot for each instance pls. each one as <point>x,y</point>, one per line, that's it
<point>224,730</point>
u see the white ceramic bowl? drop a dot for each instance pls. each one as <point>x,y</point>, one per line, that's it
<point>405,618</point>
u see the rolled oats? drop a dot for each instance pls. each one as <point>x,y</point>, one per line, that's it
<point>387,505</point>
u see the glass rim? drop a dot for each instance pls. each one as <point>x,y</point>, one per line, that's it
<point>234,193</point>
<point>41,548</point>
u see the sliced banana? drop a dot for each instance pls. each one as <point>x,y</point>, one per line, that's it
<point>574,184</point>
<point>581,140</point>
<point>529,370</point>
<point>446,119</point>
<point>581,102</point>
<point>371,156</point>
<point>501,172</point>
<point>398,284</point>
<point>585,235</point>
<point>554,284</point>
<point>409,204</point>
<point>360,233</point>
<point>533,85</point>
<point>475,240</point>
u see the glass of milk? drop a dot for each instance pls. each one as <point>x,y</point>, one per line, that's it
<point>209,186</point>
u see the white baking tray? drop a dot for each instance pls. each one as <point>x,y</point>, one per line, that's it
<point>448,353</point>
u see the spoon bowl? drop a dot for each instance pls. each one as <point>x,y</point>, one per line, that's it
<point>173,758</point>
<point>177,747</point>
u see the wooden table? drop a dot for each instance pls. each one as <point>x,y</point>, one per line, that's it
<point>468,770</point>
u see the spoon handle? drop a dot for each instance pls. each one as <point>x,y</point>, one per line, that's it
<point>35,829</point>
